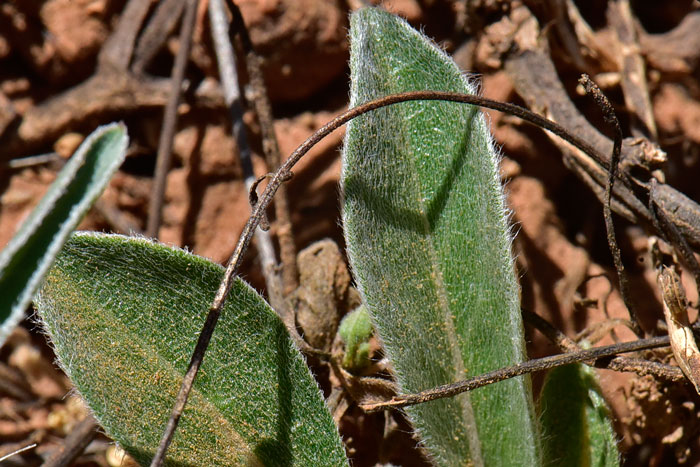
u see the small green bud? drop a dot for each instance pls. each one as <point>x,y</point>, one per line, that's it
<point>355,331</point>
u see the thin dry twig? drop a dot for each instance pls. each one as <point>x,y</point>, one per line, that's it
<point>546,363</point>
<point>635,365</point>
<point>155,33</point>
<point>229,81</point>
<point>557,337</point>
<point>596,332</point>
<point>263,109</point>
<point>586,43</point>
<point>167,134</point>
<point>118,48</point>
<point>164,153</point>
<point>283,174</point>
<point>74,444</point>
<point>642,368</point>
<point>112,89</point>
<point>611,119</point>
<point>671,233</point>
<point>31,161</point>
<point>14,384</point>
<point>565,31</point>
<point>536,81</point>
<point>18,451</point>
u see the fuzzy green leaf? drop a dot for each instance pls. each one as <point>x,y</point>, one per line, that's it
<point>428,241</point>
<point>575,419</point>
<point>124,315</point>
<point>32,250</point>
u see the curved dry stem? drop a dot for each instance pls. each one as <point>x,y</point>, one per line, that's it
<point>284,173</point>
<point>610,118</point>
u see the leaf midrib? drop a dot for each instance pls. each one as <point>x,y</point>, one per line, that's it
<point>464,400</point>
<point>144,347</point>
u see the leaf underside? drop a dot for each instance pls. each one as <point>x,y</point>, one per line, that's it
<point>31,251</point>
<point>428,241</point>
<point>124,315</point>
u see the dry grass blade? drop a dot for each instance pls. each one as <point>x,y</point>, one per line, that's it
<point>18,451</point>
<point>683,342</point>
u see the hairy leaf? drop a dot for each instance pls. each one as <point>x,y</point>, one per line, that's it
<point>576,425</point>
<point>124,315</point>
<point>428,241</point>
<point>32,250</point>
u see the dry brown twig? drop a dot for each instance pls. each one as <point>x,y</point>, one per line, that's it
<point>18,451</point>
<point>228,75</point>
<point>535,79</point>
<point>263,109</point>
<point>284,173</point>
<point>684,213</point>
<point>530,366</point>
<point>74,445</point>
<point>276,283</point>
<point>625,364</point>
<point>167,134</point>
<point>113,88</point>
<point>611,119</point>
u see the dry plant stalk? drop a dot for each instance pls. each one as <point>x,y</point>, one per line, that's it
<point>682,340</point>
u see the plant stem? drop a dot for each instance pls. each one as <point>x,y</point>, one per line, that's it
<point>636,365</point>
<point>449,390</point>
<point>230,84</point>
<point>74,444</point>
<point>263,109</point>
<point>610,117</point>
<point>165,145</point>
<point>284,173</point>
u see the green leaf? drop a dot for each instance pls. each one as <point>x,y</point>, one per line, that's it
<point>428,241</point>
<point>30,253</point>
<point>124,315</point>
<point>575,420</point>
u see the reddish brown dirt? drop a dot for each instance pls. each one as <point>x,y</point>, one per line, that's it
<point>48,47</point>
